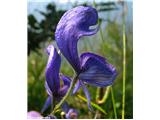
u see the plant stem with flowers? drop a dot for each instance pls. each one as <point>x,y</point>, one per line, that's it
<point>66,96</point>
<point>90,68</point>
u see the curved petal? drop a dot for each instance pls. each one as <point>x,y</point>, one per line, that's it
<point>85,56</point>
<point>72,114</point>
<point>48,89</point>
<point>77,87</point>
<point>74,24</point>
<point>63,90</point>
<point>66,79</point>
<point>52,69</point>
<point>96,71</point>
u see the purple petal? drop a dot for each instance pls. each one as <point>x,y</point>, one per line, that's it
<point>58,95</point>
<point>77,87</point>
<point>63,90</point>
<point>72,114</point>
<point>48,89</point>
<point>52,69</point>
<point>66,79</point>
<point>74,24</point>
<point>34,115</point>
<point>96,71</point>
<point>87,95</point>
<point>65,107</point>
<point>47,104</point>
<point>85,56</point>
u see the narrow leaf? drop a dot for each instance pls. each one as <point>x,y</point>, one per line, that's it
<point>93,104</point>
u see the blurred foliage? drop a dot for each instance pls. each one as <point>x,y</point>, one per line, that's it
<point>106,6</point>
<point>36,89</point>
<point>107,42</point>
<point>39,32</point>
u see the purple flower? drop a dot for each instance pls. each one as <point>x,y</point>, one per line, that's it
<point>70,113</point>
<point>53,77</point>
<point>34,115</point>
<point>74,24</point>
<point>90,68</point>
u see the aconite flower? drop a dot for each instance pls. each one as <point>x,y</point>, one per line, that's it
<point>53,77</point>
<point>89,67</point>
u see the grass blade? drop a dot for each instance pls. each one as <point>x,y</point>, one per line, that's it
<point>93,104</point>
<point>124,64</point>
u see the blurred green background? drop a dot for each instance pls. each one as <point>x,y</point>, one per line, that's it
<point>108,42</point>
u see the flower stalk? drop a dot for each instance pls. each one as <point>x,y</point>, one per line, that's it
<point>66,96</point>
<point>124,64</point>
<point>105,96</point>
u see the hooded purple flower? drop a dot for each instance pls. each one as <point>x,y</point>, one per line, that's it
<point>52,83</point>
<point>74,24</point>
<point>90,68</point>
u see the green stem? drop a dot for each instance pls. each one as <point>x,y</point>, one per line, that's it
<point>105,96</point>
<point>103,41</point>
<point>113,102</point>
<point>101,34</point>
<point>97,93</point>
<point>124,66</point>
<point>66,96</point>
<point>94,3</point>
